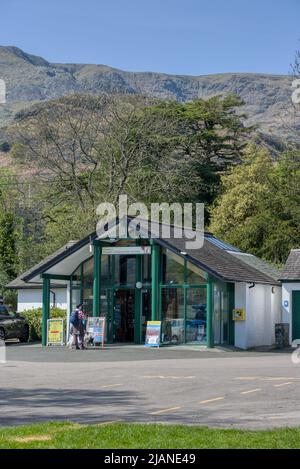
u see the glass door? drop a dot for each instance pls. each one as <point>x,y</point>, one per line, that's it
<point>146,311</point>
<point>123,317</point>
<point>196,315</point>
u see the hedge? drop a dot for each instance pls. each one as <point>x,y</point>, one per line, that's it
<point>34,318</point>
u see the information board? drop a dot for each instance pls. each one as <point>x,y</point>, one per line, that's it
<point>153,334</point>
<point>55,332</point>
<point>96,330</point>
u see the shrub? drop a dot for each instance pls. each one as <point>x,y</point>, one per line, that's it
<point>34,318</point>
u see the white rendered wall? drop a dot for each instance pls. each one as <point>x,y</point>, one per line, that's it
<point>263,311</point>
<point>287,295</point>
<point>32,298</point>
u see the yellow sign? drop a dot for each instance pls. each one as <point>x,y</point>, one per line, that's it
<point>55,332</point>
<point>238,314</point>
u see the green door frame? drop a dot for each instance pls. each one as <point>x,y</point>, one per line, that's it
<point>209,313</point>
<point>45,309</point>
<point>97,280</point>
<point>155,260</point>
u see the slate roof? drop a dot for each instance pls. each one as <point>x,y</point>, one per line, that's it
<point>219,259</point>
<point>221,263</point>
<point>258,263</point>
<point>291,270</point>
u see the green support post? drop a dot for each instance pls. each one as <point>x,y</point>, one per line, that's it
<point>46,309</point>
<point>97,280</point>
<point>209,317</point>
<point>155,286</point>
<point>138,301</point>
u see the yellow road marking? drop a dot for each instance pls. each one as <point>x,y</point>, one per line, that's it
<point>279,378</point>
<point>111,385</point>
<point>247,378</point>
<point>169,377</point>
<point>282,384</point>
<point>207,401</point>
<point>251,390</point>
<point>108,423</point>
<point>171,409</point>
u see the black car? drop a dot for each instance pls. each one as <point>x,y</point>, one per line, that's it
<point>13,326</point>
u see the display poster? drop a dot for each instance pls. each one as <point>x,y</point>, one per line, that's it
<point>153,334</point>
<point>55,332</point>
<point>96,330</point>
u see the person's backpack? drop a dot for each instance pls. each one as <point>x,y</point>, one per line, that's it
<point>74,319</point>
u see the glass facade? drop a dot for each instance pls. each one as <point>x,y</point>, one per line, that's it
<point>125,297</point>
<point>196,315</point>
<point>172,315</point>
<point>183,300</point>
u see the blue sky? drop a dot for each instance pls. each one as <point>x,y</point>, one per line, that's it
<point>191,37</point>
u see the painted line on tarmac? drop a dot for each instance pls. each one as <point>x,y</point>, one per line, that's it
<point>163,411</point>
<point>207,401</point>
<point>168,377</point>
<point>282,384</point>
<point>108,422</point>
<point>283,378</point>
<point>110,386</point>
<point>247,378</point>
<point>251,391</point>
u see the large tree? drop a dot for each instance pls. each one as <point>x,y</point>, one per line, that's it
<point>259,208</point>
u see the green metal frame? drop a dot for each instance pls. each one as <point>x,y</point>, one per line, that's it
<point>156,287</point>
<point>97,280</point>
<point>155,255</point>
<point>209,314</point>
<point>46,309</point>
<point>138,301</point>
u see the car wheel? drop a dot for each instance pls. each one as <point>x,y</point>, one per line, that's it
<point>2,334</point>
<point>25,334</point>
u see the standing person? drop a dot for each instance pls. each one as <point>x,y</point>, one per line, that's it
<point>77,328</point>
<point>82,328</point>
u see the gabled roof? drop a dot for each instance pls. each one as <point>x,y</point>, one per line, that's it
<point>219,259</point>
<point>291,270</point>
<point>20,282</point>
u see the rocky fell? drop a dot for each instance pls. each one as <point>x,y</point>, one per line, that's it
<point>31,79</point>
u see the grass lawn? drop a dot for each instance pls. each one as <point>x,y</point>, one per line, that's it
<point>123,435</point>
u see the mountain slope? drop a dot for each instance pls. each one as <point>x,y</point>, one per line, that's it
<point>31,79</point>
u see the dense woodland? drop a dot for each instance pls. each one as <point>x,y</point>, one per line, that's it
<point>78,151</point>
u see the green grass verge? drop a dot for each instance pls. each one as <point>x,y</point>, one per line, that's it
<point>123,435</point>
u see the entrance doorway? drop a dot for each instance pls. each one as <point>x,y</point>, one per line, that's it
<point>295,315</point>
<point>124,310</point>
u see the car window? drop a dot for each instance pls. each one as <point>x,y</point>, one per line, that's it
<point>3,311</point>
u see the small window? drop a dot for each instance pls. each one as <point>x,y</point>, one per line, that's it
<point>173,268</point>
<point>194,275</point>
